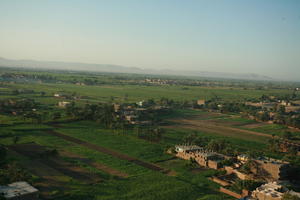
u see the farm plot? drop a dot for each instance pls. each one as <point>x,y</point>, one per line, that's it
<point>39,157</point>
<point>96,165</point>
<point>108,151</point>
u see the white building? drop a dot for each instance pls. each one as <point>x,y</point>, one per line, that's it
<point>19,190</point>
<point>184,148</point>
<point>63,103</point>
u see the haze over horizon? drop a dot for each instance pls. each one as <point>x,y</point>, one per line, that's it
<point>231,36</point>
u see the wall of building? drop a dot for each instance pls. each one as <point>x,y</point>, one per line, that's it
<point>273,170</point>
<point>230,193</point>
<point>220,181</point>
<point>213,164</point>
<point>264,196</point>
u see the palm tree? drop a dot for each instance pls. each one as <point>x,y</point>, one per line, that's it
<point>107,115</point>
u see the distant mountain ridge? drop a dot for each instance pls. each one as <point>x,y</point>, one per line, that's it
<point>73,66</point>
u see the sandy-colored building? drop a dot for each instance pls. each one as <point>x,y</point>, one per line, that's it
<point>200,102</point>
<point>272,191</point>
<point>289,109</point>
<point>271,169</point>
<point>63,104</point>
<point>268,191</point>
<point>242,158</point>
<point>201,156</point>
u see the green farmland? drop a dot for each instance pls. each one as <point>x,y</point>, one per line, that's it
<point>84,158</point>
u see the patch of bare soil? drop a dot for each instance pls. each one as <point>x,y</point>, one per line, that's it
<point>49,179</point>
<point>44,164</point>
<point>223,122</point>
<point>216,127</point>
<point>204,116</point>
<point>96,165</point>
<point>255,125</point>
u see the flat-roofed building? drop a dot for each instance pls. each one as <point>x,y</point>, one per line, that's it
<point>272,169</point>
<point>268,191</point>
<point>63,104</point>
<point>201,156</point>
<point>19,190</point>
<point>200,102</point>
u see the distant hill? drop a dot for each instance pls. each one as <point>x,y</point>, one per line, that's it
<point>33,64</point>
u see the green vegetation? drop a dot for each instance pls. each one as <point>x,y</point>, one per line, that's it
<point>29,114</point>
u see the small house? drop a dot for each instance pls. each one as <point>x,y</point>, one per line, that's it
<point>19,190</point>
<point>63,104</point>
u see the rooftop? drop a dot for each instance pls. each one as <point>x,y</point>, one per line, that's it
<point>272,189</point>
<point>186,147</point>
<point>17,189</point>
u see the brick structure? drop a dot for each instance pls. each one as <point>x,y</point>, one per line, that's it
<point>201,102</point>
<point>269,191</point>
<point>271,169</point>
<point>230,193</point>
<point>201,156</point>
<point>240,175</point>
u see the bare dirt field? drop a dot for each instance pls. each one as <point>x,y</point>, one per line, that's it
<point>213,126</point>
<point>96,165</point>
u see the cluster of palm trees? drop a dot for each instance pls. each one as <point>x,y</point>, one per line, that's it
<point>152,134</point>
<point>102,113</point>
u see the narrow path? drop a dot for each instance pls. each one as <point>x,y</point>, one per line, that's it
<point>108,151</point>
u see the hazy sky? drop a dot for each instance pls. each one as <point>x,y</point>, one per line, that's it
<point>257,36</point>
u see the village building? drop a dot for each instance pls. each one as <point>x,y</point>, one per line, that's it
<point>272,191</point>
<point>117,107</point>
<point>272,169</point>
<point>201,156</point>
<point>235,170</point>
<point>287,146</point>
<point>201,102</point>
<point>141,103</point>
<point>263,105</point>
<point>268,191</point>
<point>289,109</point>
<point>284,103</point>
<point>296,103</point>
<point>263,168</point>
<point>19,190</point>
<point>63,104</point>
<point>243,158</point>
<point>187,148</point>
<point>131,118</point>
<point>56,95</point>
